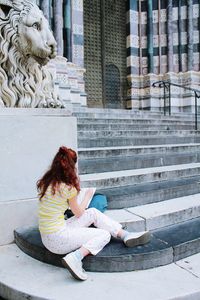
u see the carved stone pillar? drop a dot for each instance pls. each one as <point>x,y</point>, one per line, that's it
<point>190,35</point>
<point>180,37</point>
<point>77,32</point>
<point>132,46</point>
<point>67,29</point>
<point>169,36</point>
<point>58,24</point>
<point>150,36</point>
<point>45,6</point>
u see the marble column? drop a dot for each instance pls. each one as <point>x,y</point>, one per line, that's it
<point>58,24</point>
<point>180,37</point>
<point>133,59</point>
<point>45,6</point>
<point>132,44</point>
<point>77,32</point>
<point>67,30</point>
<point>190,35</point>
<point>169,36</point>
<point>150,36</point>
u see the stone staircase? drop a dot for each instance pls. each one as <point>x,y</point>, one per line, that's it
<point>148,165</point>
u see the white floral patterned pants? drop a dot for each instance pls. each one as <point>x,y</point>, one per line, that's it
<point>76,233</point>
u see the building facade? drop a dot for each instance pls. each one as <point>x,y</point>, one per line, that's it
<point>126,45</point>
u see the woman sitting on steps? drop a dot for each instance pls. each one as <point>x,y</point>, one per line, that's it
<point>58,189</point>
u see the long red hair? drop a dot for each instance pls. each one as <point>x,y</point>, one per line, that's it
<point>62,169</point>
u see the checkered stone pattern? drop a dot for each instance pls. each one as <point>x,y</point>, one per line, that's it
<point>183,36</point>
<point>160,37</point>
<point>132,38</point>
<point>77,33</point>
<point>139,95</point>
<point>133,45</point>
<point>196,35</point>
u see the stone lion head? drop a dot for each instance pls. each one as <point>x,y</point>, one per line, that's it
<point>26,46</point>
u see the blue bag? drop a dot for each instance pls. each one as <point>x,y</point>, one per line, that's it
<point>99,201</point>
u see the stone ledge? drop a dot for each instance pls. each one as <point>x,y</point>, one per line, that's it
<point>57,112</point>
<point>166,246</point>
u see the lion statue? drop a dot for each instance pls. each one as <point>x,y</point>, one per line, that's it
<point>26,46</point>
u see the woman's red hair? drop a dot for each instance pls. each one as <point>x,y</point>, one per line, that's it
<point>62,170</point>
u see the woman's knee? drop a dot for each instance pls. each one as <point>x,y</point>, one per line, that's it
<point>106,234</point>
<point>93,213</point>
<point>93,210</point>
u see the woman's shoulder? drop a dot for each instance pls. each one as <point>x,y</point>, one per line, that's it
<point>68,190</point>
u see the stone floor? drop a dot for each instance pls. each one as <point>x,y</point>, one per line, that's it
<point>23,277</point>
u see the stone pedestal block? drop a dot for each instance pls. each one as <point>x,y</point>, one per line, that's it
<point>70,80</point>
<point>29,140</point>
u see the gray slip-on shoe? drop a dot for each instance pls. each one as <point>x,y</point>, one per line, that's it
<point>137,238</point>
<point>74,266</point>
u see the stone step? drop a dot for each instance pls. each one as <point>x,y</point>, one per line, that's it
<point>117,163</point>
<point>131,177</point>
<point>131,121</point>
<point>81,109</point>
<point>125,115</point>
<point>152,192</point>
<point>167,245</point>
<point>157,215</point>
<point>20,278</point>
<point>105,152</point>
<point>136,133</point>
<point>135,141</point>
<point>124,126</point>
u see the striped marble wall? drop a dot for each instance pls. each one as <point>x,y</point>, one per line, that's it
<point>66,20</point>
<point>163,41</point>
<point>157,21</point>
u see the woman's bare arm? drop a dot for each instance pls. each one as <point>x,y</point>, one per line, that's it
<point>77,209</point>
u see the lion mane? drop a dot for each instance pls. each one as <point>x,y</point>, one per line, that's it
<point>23,81</point>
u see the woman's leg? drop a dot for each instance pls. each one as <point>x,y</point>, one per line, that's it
<point>86,240</point>
<point>70,239</point>
<point>98,219</point>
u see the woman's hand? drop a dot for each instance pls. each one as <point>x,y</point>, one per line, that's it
<point>89,193</point>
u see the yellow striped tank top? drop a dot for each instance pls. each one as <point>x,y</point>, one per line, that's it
<point>52,208</point>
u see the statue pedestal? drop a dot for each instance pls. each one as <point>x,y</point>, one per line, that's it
<point>29,140</point>
<point>70,83</point>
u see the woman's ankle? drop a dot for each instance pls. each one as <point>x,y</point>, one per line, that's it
<point>122,234</point>
<point>78,254</point>
<point>81,253</point>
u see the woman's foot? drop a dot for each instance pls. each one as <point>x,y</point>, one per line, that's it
<point>133,239</point>
<point>74,265</point>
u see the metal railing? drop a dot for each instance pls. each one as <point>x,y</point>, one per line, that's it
<point>166,84</point>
